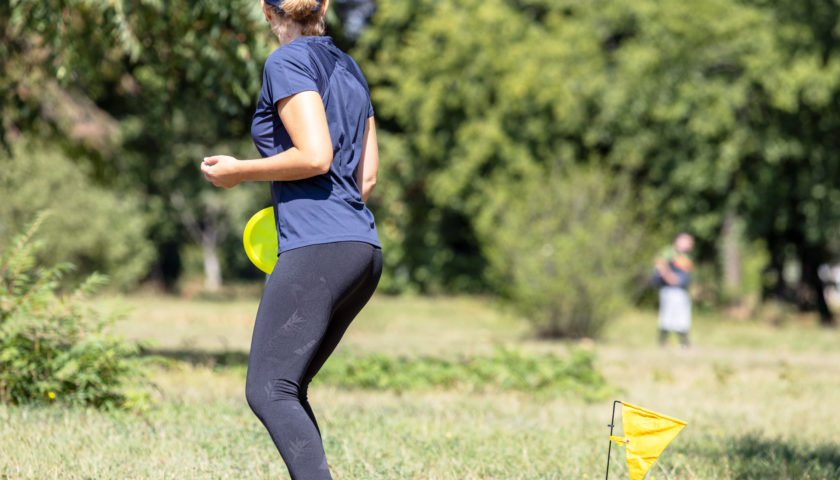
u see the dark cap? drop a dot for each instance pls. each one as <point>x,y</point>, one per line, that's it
<point>277,5</point>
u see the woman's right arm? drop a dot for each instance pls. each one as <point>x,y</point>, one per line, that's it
<point>668,275</point>
<point>369,163</point>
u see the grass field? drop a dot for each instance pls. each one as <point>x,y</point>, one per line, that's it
<point>761,403</point>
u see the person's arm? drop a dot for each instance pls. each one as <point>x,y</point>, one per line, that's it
<point>668,275</point>
<point>369,163</point>
<point>304,118</point>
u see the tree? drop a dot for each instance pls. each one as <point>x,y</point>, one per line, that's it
<point>744,116</point>
<point>90,226</point>
<point>163,84</point>
<point>798,127</point>
<point>729,108</point>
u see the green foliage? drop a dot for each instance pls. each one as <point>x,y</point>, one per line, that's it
<point>94,228</point>
<point>140,92</point>
<point>722,107</point>
<point>53,347</point>
<point>567,249</point>
<point>433,77</point>
<point>506,369</point>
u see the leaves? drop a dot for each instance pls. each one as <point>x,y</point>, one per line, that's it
<point>504,369</point>
<point>53,347</point>
<point>89,225</point>
<point>722,107</point>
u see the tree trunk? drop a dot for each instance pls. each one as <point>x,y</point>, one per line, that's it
<point>206,234</point>
<point>212,266</point>
<point>731,255</point>
<point>774,286</point>
<point>812,258</point>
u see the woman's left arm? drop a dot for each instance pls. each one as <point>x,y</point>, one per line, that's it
<point>304,118</point>
<point>369,163</point>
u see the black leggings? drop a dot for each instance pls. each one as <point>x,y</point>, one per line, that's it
<point>309,301</point>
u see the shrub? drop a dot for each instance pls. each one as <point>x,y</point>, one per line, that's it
<point>567,249</point>
<point>92,227</point>
<point>53,346</point>
<point>504,370</point>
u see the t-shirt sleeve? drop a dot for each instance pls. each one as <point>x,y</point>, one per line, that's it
<point>357,72</point>
<point>286,74</point>
<point>367,88</point>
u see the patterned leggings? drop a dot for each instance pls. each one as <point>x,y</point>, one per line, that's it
<point>309,301</point>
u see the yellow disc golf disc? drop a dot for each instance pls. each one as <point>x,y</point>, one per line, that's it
<point>260,240</point>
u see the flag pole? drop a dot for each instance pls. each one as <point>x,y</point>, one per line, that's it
<point>609,449</point>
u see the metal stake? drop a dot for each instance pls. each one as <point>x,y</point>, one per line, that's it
<point>609,449</point>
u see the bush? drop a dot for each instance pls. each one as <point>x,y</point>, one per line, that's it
<point>53,348</point>
<point>504,370</point>
<point>567,250</point>
<point>94,228</point>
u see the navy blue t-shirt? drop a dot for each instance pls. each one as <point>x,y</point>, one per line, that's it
<point>329,207</point>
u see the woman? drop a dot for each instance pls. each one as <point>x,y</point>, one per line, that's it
<point>673,268</point>
<point>314,129</point>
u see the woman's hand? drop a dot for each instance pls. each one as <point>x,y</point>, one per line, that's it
<point>668,276</point>
<point>221,170</point>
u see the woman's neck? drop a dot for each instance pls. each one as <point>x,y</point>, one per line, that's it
<point>290,33</point>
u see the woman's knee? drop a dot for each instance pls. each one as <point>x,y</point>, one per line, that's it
<point>255,395</point>
<point>261,393</point>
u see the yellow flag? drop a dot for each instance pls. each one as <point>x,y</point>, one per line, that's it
<point>646,434</point>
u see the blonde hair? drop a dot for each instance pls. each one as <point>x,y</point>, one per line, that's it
<point>301,11</point>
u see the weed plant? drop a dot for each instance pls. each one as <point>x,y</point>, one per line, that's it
<point>53,346</point>
<point>505,369</point>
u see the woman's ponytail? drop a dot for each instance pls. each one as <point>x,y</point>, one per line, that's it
<point>301,10</point>
<point>307,13</point>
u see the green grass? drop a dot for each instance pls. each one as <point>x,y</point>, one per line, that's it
<point>760,402</point>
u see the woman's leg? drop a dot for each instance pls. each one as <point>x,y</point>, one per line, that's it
<point>663,337</point>
<point>294,321</point>
<point>349,305</point>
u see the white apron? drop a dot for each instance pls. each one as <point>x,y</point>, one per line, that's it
<point>674,309</point>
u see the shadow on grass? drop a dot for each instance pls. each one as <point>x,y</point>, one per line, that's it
<point>200,358</point>
<point>758,458</point>
<point>754,457</point>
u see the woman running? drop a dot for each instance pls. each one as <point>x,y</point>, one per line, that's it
<point>314,129</point>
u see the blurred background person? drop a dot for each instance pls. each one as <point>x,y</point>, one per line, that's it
<point>673,275</point>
